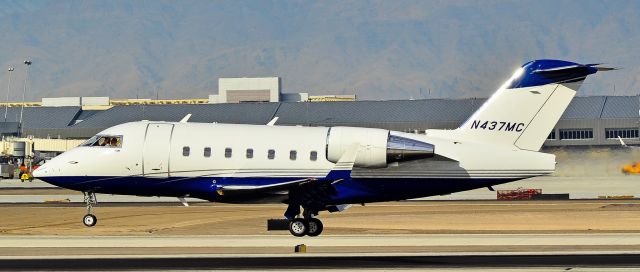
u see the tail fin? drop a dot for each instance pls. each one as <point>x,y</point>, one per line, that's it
<point>527,107</point>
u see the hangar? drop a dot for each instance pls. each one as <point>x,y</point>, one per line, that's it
<point>589,121</point>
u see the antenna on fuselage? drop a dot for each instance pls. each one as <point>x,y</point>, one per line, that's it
<point>185,118</point>
<point>273,121</point>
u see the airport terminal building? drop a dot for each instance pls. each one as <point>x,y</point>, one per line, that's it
<point>589,121</point>
<point>57,124</point>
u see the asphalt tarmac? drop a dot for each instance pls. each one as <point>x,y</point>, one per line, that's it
<point>576,235</point>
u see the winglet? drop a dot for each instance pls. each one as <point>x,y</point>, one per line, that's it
<point>621,142</point>
<point>273,121</point>
<point>342,168</point>
<point>185,118</point>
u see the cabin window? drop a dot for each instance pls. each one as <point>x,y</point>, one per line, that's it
<point>313,156</point>
<point>104,141</point>
<point>249,153</point>
<point>185,151</point>
<point>293,155</point>
<point>207,152</point>
<point>271,154</point>
<point>227,152</point>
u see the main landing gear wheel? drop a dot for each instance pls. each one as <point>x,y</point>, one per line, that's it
<point>89,220</point>
<point>315,227</point>
<point>298,227</point>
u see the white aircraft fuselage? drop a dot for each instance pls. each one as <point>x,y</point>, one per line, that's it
<point>153,161</point>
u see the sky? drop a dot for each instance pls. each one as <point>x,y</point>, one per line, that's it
<point>375,49</point>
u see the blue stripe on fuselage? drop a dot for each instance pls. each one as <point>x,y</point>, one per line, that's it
<point>354,190</point>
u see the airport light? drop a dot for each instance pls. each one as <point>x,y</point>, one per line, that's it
<point>27,62</point>
<point>6,106</point>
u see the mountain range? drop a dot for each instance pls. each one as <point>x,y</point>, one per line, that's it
<point>374,49</point>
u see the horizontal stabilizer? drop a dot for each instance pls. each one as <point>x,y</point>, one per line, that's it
<point>601,68</point>
<point>562,69</point>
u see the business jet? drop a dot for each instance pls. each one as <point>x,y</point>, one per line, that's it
<point>318,169</point>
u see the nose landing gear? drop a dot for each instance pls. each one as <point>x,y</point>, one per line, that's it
<point>89,219</point>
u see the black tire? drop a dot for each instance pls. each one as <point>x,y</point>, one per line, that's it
<point>315,227</point>
<point>89,220</point>
<point>298,227</point>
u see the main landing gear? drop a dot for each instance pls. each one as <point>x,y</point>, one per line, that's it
<point>305,225</point>
<point>89,219</point>
<point>300,227</point>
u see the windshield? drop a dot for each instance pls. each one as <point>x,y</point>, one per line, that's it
<point>114,141</point>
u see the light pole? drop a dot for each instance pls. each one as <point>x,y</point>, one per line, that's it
<point>27,62</point>
<point>6,106</point>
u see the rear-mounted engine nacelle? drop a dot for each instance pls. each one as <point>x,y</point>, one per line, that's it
<point>404,149</point>
<point>378,147</point>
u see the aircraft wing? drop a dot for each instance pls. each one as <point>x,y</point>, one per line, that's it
<point>259,188</point>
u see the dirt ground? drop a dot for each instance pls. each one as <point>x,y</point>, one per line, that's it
<point>583,216</point>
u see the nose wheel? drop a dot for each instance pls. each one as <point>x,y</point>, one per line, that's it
<point>89,219</point>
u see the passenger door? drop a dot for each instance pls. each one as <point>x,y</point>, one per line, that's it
<point>155,153</point>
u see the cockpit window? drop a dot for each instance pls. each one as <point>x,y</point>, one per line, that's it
<point>90,142</point>
<point>104,141</point>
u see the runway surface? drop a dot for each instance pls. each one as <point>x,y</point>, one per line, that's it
<point>620,242</point>
<point>413,236</point>
<point>553,252</point>
<point>411,217</point>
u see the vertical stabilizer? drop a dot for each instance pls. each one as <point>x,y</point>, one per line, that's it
<point>527,107</point>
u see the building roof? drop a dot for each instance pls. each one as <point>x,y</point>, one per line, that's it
<point>244,113</point>
<point>9,128</point>
<point>584,108</point>
<point>58,120</point>
<point>377,111</point>
<point>621,107</point>
<point>42,117</point>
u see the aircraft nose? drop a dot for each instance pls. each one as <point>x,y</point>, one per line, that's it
<point>48,169</point>
<point>40,172</point>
